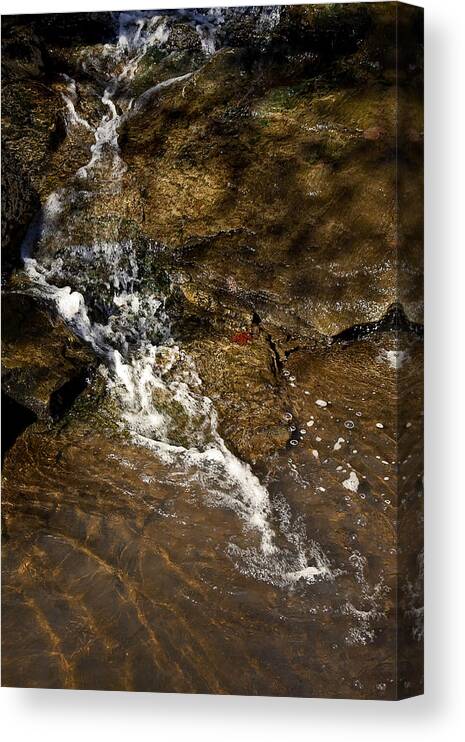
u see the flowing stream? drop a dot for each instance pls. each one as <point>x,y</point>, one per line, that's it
<point>102,293</point>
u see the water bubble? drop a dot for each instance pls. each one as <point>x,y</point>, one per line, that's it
<point>349,424</point>
<point>287,416</point>
<point>292,428</point>
<point>303,432</point>
<point>293,442</point>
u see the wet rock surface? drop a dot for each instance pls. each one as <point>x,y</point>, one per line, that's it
<point>44,365</point>
<point>282,162</point>
<point>212,354</point>
<point>20,203</point>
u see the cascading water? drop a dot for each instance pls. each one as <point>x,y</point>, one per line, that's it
<point>151,379</point>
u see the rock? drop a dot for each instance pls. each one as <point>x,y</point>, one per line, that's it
<point>240,378</point>
<point>44,365</point>
<point>20,202</point>
<point>36,52</point>
<point>275,188</point>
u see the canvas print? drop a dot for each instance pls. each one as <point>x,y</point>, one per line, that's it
<point>212,284</point>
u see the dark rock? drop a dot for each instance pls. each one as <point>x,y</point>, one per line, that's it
<point>20,202</point>
<point>15,419</point>
<point>44,365</point>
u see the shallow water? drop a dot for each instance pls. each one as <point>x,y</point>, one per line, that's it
<point>128,574</point>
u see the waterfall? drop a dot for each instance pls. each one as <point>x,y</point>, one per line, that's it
<point>152,380</point>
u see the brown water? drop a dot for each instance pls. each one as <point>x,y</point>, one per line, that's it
<point>119,575</point>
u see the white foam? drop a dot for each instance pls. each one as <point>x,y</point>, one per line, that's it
<point>352,483</point>
<point>70,99</point>
<point>151,92</point>
<point>69,302</point>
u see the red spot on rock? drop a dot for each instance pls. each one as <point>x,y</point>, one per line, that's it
<point>242,338</point>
